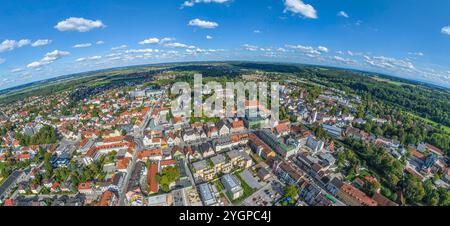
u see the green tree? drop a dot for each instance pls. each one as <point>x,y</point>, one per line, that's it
<point>414,190</point>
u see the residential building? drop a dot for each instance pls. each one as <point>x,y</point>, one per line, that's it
<point>232,186</point>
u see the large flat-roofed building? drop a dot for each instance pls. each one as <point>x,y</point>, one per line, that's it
<point>232,185</point>
<point>279,147</point>
<point>334,131</point>
<point>208,194</point>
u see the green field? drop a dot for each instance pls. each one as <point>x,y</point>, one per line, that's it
<point>437,125</point>
<point>391,81</point>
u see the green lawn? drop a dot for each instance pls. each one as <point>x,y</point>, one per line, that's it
<point>391,81</point>
<point>247,191</point>
<point>437,125</point>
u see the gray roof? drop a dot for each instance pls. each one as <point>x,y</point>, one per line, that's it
<point>231,183</point>
<point>217,159</point>
<point>200,165</point>
<point>206,193</point>
<point>233,153</point>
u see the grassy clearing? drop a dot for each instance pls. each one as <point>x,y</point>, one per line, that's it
<point>391,82</point>
<point>437,125</point>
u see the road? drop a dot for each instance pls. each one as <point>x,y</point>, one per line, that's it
<point>138,140</point>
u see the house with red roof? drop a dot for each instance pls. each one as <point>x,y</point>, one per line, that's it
<point>151,178</point>
<point>153,154</point>
<point>55,187</point>
<point>108,198</point>
<point>167,162</point>
<point>282,128</point>
<point>123,164</point>
<point>86,188</point>
<point>237,125</point>
<point>423,147</point>
<point>354,197</point>
<point>8,202</point>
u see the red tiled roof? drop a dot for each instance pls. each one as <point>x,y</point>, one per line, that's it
<point>237,124</point>
<point>151,178</point>
<point>115,139</point>
<point>105,198</point>
<point>258,142</point>
<point>149,153</point>
<point>282,127</point>
<point>55,185</point>
<point>417,154</point>
<point>24,156</point>
<point>84,142</point>
<point>123,163</point>
<point>9,202</point>
<point>434,149</point>
<point>85,186</point>
<point>167,162</point>
<point>89,134</point>
<point>358,195</point>
<point>382,201</point>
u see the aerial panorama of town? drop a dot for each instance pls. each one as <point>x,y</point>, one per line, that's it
<point>116,135</point>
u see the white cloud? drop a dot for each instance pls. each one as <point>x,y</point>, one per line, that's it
<point>343,14</point>
<point>78,24</point>
<point>193,2</point>
<point>250,47</point>
<point>203,23</point>
<point>142,51</point>
<point>9,45</point>
<point>344,60</point>
<point>196,51</point>
<point>15,70</point>
<point>416,53</point>
<point>41,42</point>
<point>446,30</point>
<point>119,47</point>
<point>209,37</point>
<point>149,41</point>
<point>164,40</point>
<point>95,58</point>
<point>299,7</point>
<point>2,60</point>
<point>178,45</point>
<point>82,45</point>
<point>114,55</point>
<point>309,49</point>
<point>323,49</point>
<point>82,59</point>
<point>257,31</point>
<point>49,58</point>
<point>100,42</point>
<point>389,63</point>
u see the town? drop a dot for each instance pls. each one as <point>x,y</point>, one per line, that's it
<point>125,147</point>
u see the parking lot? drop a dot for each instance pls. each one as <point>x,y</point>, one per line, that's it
<point>268,195</point>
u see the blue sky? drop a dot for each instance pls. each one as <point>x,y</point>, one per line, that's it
<point>44,39</point>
